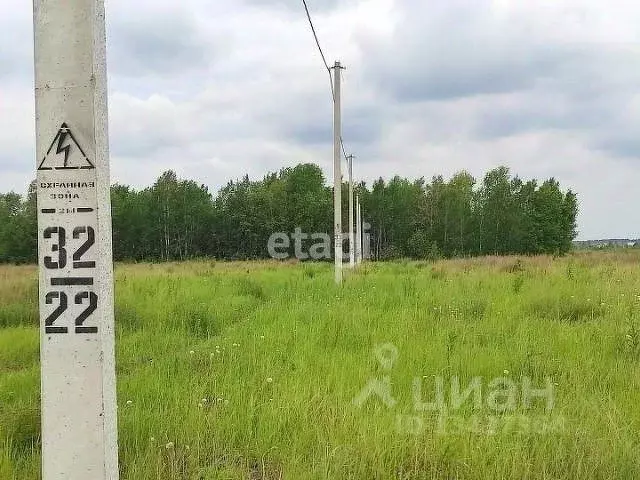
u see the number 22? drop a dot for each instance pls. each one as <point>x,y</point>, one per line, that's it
<point>62,307</point>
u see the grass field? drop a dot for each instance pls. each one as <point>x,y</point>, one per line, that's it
<point>250,370</point>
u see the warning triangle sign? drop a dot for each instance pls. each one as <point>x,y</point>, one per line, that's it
<point>65,153</point>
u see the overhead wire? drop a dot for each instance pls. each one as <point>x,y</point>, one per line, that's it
<point>326,65</point>
<point>315,36</point>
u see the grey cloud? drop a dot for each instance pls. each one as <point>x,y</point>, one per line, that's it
<point>594,99</point>
<point>16,43</point>
<point>7,63</point>
<point>459,49</point>
<point>626,146</point>
<point>361,126</point>
<point>420,78</point>
<point>17,161</point>
<point>523,81</point>
<point>311,134</point>
<point>535,112</point>
<point>157,45</point>
<point>294,5</point>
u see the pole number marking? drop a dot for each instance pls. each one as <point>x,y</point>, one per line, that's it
<point>58,259</point>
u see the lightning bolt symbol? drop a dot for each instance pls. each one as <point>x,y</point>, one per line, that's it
<point>61,148</point>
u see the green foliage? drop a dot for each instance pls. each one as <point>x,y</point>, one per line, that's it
<point>434,252</point>
<point>177,219</point>
<point>418,245</point>
<point>18,224</point>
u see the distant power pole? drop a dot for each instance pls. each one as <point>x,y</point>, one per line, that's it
<point>78,382</point>
<point>337,173</point>
<point>358,233</point>
<point>352,255</point>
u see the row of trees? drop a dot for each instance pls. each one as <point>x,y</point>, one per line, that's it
<point>176,219</point>
<point>18,227</point>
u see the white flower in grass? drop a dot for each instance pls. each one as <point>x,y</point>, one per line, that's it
<point>506,372</point>
<point>191,352</point>
<point>269,380</point>
<point>262,337</point>
<point>169,446</point>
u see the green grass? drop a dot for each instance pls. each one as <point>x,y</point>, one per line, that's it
<point>279,353</point>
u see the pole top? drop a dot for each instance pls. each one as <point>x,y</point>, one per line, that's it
<point>338,65</point>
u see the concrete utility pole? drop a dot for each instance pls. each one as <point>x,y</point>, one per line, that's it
<point>358,232</point>
<point>79,427</point>
<point>352,255</point>
<point>337,173</point>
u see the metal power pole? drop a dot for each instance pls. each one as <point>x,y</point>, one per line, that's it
<point>79,428</point>
<point>352,257</point>
<point>337,173</point>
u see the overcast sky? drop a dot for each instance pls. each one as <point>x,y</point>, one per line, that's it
<point>216,89</point>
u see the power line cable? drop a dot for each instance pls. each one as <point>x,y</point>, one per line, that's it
<point>324,60</point>
<point>344,152</point>
<point>326,65</point>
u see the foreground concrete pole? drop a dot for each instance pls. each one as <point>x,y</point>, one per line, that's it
<point>79,427</point>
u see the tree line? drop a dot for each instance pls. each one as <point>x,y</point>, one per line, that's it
<point>178,219</point>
